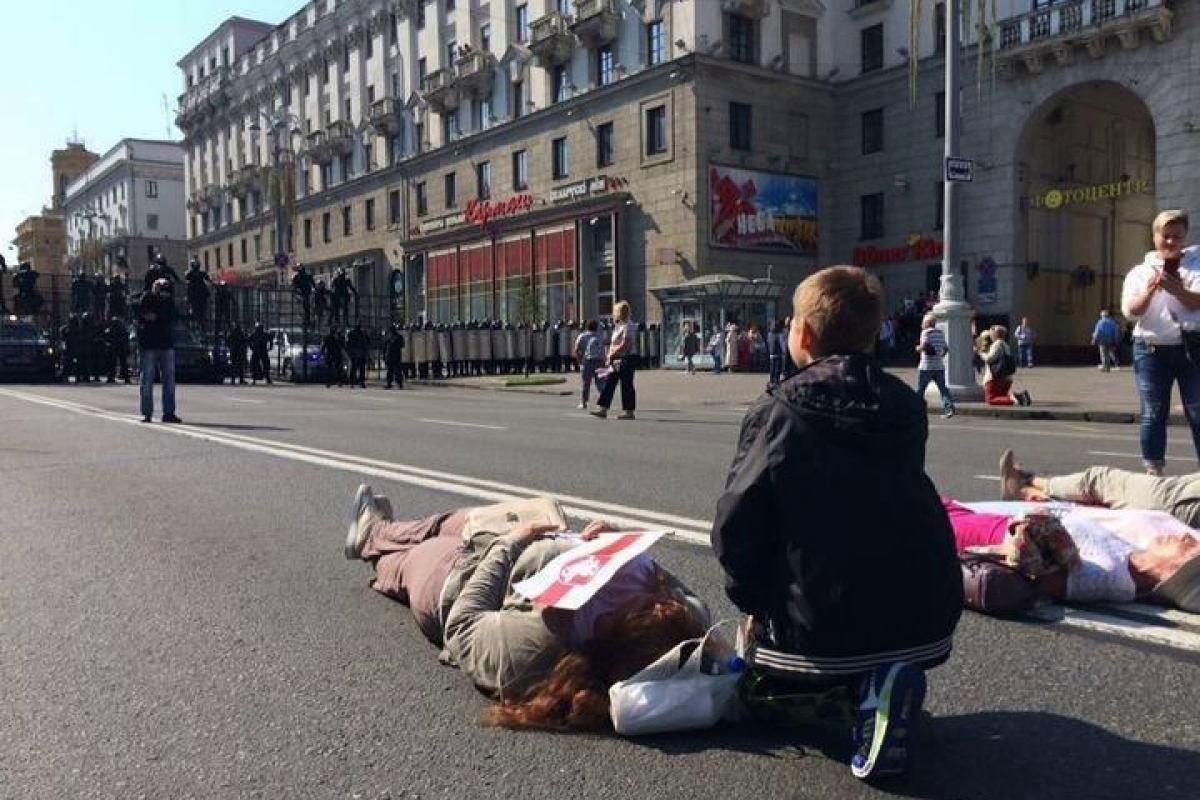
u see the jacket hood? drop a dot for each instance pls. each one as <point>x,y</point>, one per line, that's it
<point>853,394</point>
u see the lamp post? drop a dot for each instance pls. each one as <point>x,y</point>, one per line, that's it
<point>952,308</point>
<point>284,125</point>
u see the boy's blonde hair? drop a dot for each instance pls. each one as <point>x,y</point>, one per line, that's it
<point>842,305</point>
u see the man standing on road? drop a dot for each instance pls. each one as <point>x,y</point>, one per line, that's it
<point>393,356</point>
<point>260,361</point>
<point>156,322</point>
<point>1105,337</point>
<point>358,347</point>
<point>1025,334</point>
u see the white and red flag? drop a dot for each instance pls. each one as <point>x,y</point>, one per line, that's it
<point>573,577</point>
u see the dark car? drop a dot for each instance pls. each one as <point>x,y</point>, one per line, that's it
<point>197,358</point>
<point>26,352</point>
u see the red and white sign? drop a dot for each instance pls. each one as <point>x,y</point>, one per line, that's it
<point>571,579</point>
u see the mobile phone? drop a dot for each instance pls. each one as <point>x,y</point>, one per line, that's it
<point>1171,265</point>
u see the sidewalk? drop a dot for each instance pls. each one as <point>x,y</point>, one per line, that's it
<point>1060,393</point>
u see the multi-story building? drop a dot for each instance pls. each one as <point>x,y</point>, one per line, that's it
<point>41,238</point>
<point>543,157</point>
<point>127,207</point>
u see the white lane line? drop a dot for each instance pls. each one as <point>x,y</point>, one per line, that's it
<point>1137,456</point>
<point>1131,629</point>
<point>951,427</point>
<point>462,424</point>
<point>244,400</point>
<point>995,478</point>
<point>692,530</point>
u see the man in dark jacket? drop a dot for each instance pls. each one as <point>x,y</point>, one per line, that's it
<point>393,356</point>
<point>358,347</point>
<point>160,269</point>
<point>197,292</point>
<point>332,349</point>
<point>156,331</point>
<point>116,340</point>
<point>237,355</point>
<point>831,535</point>
<point>260,347</point>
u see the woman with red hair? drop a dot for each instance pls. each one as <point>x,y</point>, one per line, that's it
<point>546,667</point>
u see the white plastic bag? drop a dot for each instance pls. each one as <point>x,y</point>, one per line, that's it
<point>675,693</point>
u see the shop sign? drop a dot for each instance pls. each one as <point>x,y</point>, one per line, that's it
<point>577,191</point>
<point>1054,199</point>
<point>478,212</point>
<point>918,248</point>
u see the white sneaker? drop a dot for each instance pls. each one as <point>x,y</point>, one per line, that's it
<point>582,406</point>
<point>362,515</point>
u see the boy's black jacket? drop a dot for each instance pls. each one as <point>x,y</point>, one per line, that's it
<point>829,530</point>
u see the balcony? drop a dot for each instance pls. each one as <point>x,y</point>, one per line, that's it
<point>340,136</point>
<point>476,73</point>
<point>207,96</point>
<point>318,148</point>
<point>596,21</point>
<point>551,40</point>
<point>1061,31</point>
<point>755,9</point>
<point>439,90</point>
<point>383,117</point>
<point>244,181</point>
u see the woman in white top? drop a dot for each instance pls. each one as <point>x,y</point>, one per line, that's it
<point>1163,295</point>
<point>624,359</point>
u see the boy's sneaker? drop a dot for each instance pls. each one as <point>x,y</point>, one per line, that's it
<point>887,716</point>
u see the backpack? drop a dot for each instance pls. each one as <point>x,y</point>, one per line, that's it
<point>1005,366</point>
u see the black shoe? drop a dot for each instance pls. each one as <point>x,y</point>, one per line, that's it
<point>171,418</point>
<point>147,419</point>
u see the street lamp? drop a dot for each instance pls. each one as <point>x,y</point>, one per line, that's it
<point>284,127</point>
<point>952,306</point>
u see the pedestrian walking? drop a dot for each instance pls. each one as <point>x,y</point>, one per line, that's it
<point>624,358</point>
<point>589,352</point>
<point>716,349</point>
<point>1025,334</point>
<point>932,366</point>
<point>156,332</point>
<point>260,348</point>
<point>689,346</point>
<point>1105,336</point>
<point>776,352</point>
<point>1163,295</point>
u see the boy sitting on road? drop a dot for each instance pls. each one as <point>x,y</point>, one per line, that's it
<point>832,537</point>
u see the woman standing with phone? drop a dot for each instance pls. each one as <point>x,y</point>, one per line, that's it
<point>1163,295</point>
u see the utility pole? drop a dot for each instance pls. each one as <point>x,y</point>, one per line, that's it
<point>952,309</point>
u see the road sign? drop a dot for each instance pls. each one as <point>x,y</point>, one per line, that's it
<point>959,170</point>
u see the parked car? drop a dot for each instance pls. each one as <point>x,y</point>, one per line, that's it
<point>197,358</point>
<point>295,353</point>
<point>25,351</point>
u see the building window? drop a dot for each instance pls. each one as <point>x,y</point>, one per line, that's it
<point>257,246</point>
<point>451,190</point>
<point>604,66</point>
<point>559,159</point>
<point>326,175</point>
<point>346,225</point>
<point>656,130</point>
<point>871,216</point>
<point>370,45</point>
<point>229,254</point>
<point>939,218</point>
<point>422,199</point>
<point>347,166</point>
<point>518,99</point>
<point>485,37</point>
<point>217,255</point>
<point>741,39</point>
<point>522,27</point>
<point>741,116</point>
<point>422,70</point>
<point>151,188</point>
<point>394,207</point>
<point>871,46</point>
<point>243,248</point>
<point>394,29</point>
<point>656,42</point>
<point>872,131</point>
<point>152,222</point>
<point>560,82</point>
<point>421,145</point>
<point>451,52</point>
<point>520,168</point>
<point>939,115</point>
<point>483,180</point>
<point>326,227</point>
<point>420,14</point>
<point>449,126</point>
<point>369,213</point>
<point>605,145</point>
<point>939,27</point>
<point>449,5</point>
<point>308,233</point>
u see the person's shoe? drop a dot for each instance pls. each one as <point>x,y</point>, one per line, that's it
<point>1012,477</point>
<point>171,418</point>
<point>582,406</point>
<point>948,413</point>
<point>147,418</point>
<point>625,415</point>
<point>363,514</point>
<point>1027,397</point>
<point>600,413</point>
<point>384,506</point>
<point>887,717</point>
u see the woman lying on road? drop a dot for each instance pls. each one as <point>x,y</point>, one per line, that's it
<point>545,667</point>
<point>1085,554</point>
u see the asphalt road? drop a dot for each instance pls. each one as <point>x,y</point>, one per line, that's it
<point>176,618</point>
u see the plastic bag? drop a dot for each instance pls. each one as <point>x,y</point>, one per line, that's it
<point>676,693</point>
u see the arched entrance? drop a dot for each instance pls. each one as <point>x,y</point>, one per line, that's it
<point>1085,175</point>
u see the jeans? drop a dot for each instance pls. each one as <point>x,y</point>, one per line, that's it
<point>1155,369</point>
<point>716,357</point>
<point>154,361</point>
<point>938,377</point>
<point>1108,355</point>
<point>776,367</point>
<point>587,376</point>
<point>1025,354</point>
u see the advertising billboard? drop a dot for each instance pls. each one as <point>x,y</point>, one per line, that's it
<point>755,210</point>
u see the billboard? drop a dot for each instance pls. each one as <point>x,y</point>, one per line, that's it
<point>754,210</point>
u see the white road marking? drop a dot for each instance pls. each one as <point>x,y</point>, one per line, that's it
<point>244,400</point>
<point>462,424</point>
<point>1137,456</point>
<point>1170,629</point>
<point>995,478</point>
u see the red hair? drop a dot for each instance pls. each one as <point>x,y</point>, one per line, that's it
<point>574,696</point>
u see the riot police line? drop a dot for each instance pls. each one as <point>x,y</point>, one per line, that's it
<point>91,319</point>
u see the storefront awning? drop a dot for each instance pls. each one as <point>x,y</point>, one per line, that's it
<point>721,288</point>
